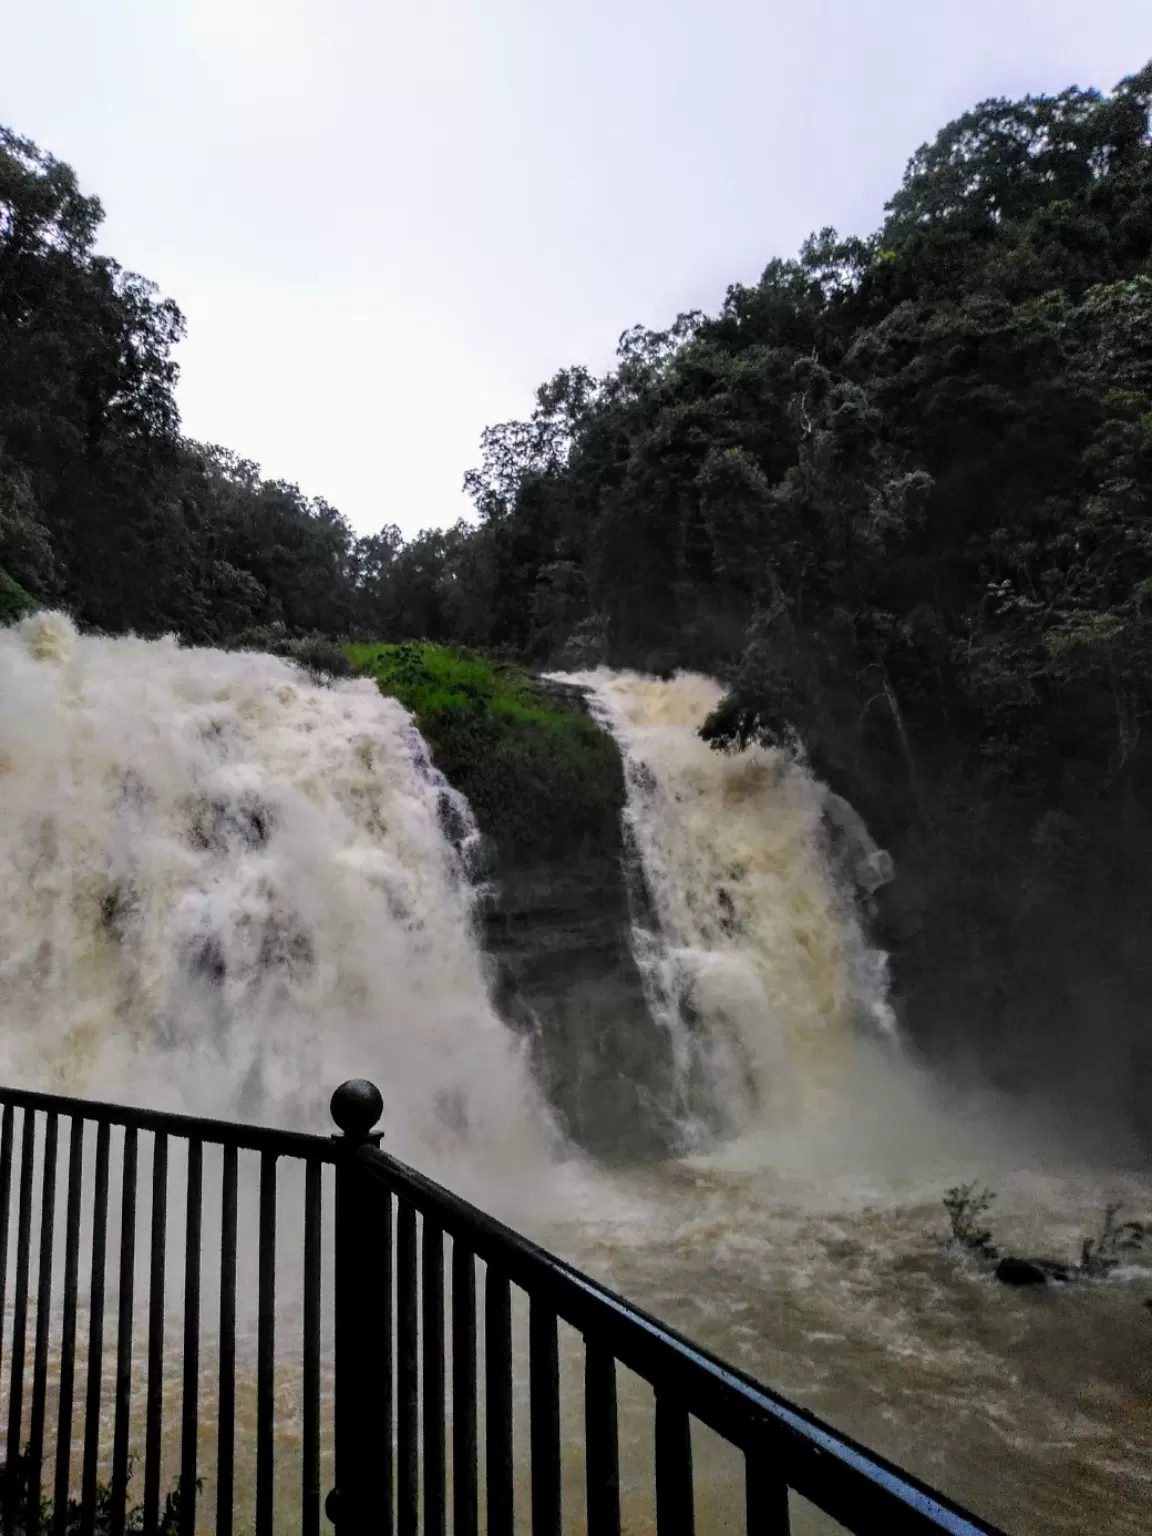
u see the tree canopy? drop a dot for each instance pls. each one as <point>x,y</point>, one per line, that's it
<point>105,507</point>
<point>897,494</point>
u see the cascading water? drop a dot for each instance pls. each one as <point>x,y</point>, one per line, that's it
<point>800,1233</point>
<point>227,888</point>
<point>751,950</point>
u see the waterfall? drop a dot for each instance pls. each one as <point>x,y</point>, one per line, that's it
<point>753,955</point>
<point>227,888</point>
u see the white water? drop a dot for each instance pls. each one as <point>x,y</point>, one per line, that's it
<point>226,889</point>
<point>755,962</point>
<point>806,1243</point>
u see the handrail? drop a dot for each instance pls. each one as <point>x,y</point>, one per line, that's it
<point>225,1133</point>
<point>45,1310</point>
<point>725,1398</point>
<point>391,1329</point>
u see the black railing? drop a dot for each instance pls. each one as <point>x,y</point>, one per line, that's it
<point>401,1376</point>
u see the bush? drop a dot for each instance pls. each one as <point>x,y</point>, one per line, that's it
<point>1101,1254</point>
<point>967,1207</point>
<point>14,601</point>
<point>542,778</point>
<point>17,1507</point>
<point>321,658</point>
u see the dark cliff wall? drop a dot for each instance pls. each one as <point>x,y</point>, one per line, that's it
<point>547,789</point>
<point>1017,938</point>
<point>558,936</point>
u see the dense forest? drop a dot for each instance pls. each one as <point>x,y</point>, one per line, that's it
<point>897,495</point>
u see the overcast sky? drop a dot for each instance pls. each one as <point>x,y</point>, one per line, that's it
<point>386,224</point>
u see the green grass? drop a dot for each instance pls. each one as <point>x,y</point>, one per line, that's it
<point>436,680</point>
<point>544,781</point>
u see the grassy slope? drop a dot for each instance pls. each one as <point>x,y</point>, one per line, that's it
<point>543,780</point>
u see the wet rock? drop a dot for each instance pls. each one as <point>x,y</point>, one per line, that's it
<point>1013,1271</point>
<point>1020,1272</point>
<point>1063,1273</point>
<point>206,960</point>
<point>852,848</point>
<point>558,937</point>
<point>453,817</point>
<point>219,826</point>
<point>557,928</point>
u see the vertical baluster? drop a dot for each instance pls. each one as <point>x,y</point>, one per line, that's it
<point>5,1206</point>
<point>127,1286</point>
<point>68,1337</point>
<point>95,1335</point>
<point>43,1317</point>
<point>266,1345</point>
<point>226,1413</point>
<point>190,1409</point>
<point>20,1320</point>
<point>602,1441</point>
<point>155,1392</point>
<point>544,1406</point>
<point>407,1382</point>
<point>433,1363</point>
<point>310,1523</point>
<point>765,1495</point>
<point>674,1490</point>
<point>362,1498</point>
<point>375,1284</point>
<point>498,1400</point>
<point>465,1514</point>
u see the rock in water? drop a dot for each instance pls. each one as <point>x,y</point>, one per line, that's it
<point>1020,1272</point>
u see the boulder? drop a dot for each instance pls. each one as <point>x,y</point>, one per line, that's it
<point>1011,1271</point>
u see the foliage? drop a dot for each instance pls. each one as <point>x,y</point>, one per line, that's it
<point>434,681</point>
<point>25,547</point>
<point>16,1515</point>
<point>967,1208</point>
<point>323,659</point>
<point>516,748</point>
<point>104,507</point>
<point>14,601</point>
<point>1101,1254</point>
<point>897,495</point>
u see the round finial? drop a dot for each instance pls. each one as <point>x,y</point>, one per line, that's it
<point>356,1106</point>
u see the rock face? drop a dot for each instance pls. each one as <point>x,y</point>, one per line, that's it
<point>558,939</point>
<point>557,933</point>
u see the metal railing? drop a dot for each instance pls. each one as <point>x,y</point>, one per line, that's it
<point>404,1375</point>
<point>103,1137</point>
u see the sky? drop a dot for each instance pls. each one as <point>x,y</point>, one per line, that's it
<point>388,223</point>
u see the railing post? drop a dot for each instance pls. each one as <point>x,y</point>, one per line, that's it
<point>361,1503</point>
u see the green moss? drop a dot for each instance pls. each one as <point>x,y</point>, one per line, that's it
<point>543,780</point>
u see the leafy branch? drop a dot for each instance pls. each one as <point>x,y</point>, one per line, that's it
<point>1101,1254</point>
<point>967,1207</point>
